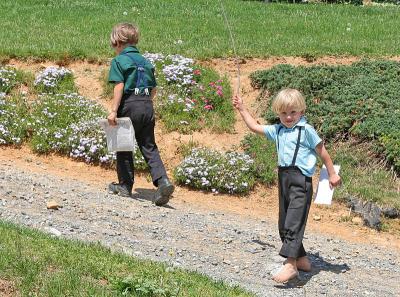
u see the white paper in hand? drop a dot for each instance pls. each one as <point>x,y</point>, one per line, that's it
<point>120,138</point>
<point>324,192</point>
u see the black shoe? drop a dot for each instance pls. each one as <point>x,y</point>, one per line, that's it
<point>118,189</point>
<point>164,191</point>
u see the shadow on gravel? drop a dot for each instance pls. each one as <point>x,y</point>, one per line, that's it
<point>318,265</point>
<point>146,195</point>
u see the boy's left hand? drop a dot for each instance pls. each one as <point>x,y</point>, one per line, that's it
<point>112,117</point>
<point>334,180</point>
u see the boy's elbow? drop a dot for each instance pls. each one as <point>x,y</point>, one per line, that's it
<point>257,129</point>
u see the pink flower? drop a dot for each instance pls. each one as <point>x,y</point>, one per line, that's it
<point>208,107</point>
<point>219,93</point>
<point>197,72</point>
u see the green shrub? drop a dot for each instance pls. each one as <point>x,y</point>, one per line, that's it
<point>13,123</point>
<point>210,170</point>
<point>263,152</point>
<point>360,99</point>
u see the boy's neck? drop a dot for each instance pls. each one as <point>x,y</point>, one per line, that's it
<point>121,47</point>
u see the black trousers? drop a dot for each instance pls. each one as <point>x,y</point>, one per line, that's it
<point>295,194</point>
<point>141,112</point>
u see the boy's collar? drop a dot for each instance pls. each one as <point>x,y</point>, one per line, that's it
<point>129,49</point>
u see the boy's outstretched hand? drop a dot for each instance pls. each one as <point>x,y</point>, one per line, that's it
<point>237,102</point>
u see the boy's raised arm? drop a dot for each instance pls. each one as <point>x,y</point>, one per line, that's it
<point>247,117</point>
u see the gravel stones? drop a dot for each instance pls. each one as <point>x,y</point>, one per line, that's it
<point>234,248</point>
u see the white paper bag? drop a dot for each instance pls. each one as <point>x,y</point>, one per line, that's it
<point>120,138</point>
<point>324,191</point>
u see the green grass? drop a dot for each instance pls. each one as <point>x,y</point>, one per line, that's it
<point>40,265</point>
<point>80,29</point>
<point>363,175</point>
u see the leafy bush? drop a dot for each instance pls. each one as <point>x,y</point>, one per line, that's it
<point>55,80</point>
<point>263,152</point>
<point>360,100</point>
<point>210,170</point>
<point>13,124</point>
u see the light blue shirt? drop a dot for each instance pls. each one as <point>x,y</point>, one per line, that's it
<point>306,156</point>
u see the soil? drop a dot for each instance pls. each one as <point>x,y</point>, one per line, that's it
<point>261,203</point>
<point>7,289</point>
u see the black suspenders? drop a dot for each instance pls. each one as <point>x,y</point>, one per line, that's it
<point>297,144</point>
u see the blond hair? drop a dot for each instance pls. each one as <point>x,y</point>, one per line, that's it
<point>124,33</point>
<point>288,98</point>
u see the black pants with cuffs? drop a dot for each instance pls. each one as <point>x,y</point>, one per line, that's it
<point>295,194</point>
<point>141,112</point>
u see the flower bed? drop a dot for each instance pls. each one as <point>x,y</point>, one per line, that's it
<point>210,170</point>
<point>55,80</point>
<point>191,97</point>
<point>8,79</point>
<point>13,124</point>
<point>68,124</point>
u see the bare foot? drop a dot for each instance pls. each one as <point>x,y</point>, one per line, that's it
<point>287,272</point>
<point>303,264</point>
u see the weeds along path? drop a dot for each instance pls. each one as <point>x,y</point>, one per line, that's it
<point>228,237</point>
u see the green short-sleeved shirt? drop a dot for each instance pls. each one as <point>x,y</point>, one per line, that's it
<point>123,70</point>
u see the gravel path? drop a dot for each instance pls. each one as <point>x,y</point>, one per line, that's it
<point>237,249</point>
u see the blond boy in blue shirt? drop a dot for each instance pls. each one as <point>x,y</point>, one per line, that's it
<point>298,145</point>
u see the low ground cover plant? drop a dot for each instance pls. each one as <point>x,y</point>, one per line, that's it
<point>190,97</point>
<point>13,122</point>
<point>359,100</point>
<point>8,79</point>
<point>68,124</point>
<point>211,170</point>
<point>57,80</point>
<point>11,78</point>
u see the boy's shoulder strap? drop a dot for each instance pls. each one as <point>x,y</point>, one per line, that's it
<point>141,80</point>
